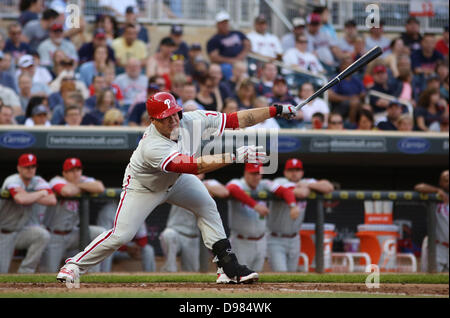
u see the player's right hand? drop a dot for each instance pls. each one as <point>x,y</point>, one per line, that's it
<point>250,154</point>
<point>262,209</point>
<point>286,111</point>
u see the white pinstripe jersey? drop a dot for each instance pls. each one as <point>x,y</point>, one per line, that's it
<point>147,167</point>
<point>13,216</point>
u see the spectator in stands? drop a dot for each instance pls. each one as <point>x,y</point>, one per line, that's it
<point>424,61</point>
<point>393,113</point>
<point>40,75</point>
<point>383,85</point>
<point>442,73</point>
<point>412,37</point>
<point>268,74</point>
<point>6,78</point>
<point>176,68</point>
<point>137,112</point>
<point>194,54</point>
<point>221,89</point>
<point>346,96</point>
<point>98,65</point>
<point>239,74</point>
<point>280,95</point>
<point>316,105</point>
<point>113,117</point>
<point>397,48</point>
<point>205,95</point>
<point>108,26</point>
<point>29,10</point>
<point>245,95</point>
<point>98,85</point>
<point>131,14</point>
<point>6,114</point>
<point>376,37</point>
<point>299,58</point>
<point>36,31</point>
<point>73,115</point>
<point>200,70</point>
<point>346,42</point>
<point>9,97</point>
<point>188,95</point>
<point>176,34</point>
<point>335,121</point>
<point>227,46</point>
<point>14,44</point>
<point>132,82</point>
<point>429,109</point>
<point>262,42</point>
<point>38,116</point>
<point>86,51</point>
<point>326,27</point>
<point>318,120</point>
<point>25,84</point>
<point>159,63</point>
<point>129,46</point>
<point>2,40</point>
<point>405,123</point>
<point>105,102</point>
<point>443,123</point>
<point>270,123</point>
<point>405,79</point>
<point>55,42</point>
<point>442,43</point>
<point>299,28</point>
<point>67,87</point>
<point>365,120</point>
<point>230,105</point>
<point>321,44</point>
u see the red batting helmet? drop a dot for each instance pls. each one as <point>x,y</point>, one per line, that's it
<point>162,105</point>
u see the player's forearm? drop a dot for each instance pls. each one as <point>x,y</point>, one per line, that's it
<point>211,163</point>
<point>92,187</point>
<point>252,117</point>
<point>48,200</point>
<point>426,188</point>
<point>322,186</point>
<point>27,198</point>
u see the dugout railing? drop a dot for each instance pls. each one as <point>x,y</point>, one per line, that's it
<point>429,201</point>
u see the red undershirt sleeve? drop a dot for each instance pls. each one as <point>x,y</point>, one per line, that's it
<point>286,194</point>
<point>232,121</point>
<point>240,195</point>
<point>183,164</point>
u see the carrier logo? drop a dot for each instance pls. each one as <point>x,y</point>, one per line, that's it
<point>413,145</point>
<point>17,140</point>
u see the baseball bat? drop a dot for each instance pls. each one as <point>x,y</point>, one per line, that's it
<point>362,61</point>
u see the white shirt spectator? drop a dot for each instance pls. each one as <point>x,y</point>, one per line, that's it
<point>47,48</point>
<point>382,42</point>
<point>270,123</point>
<point>303,60</point>
<point>321,43</point>
<point>265,44</point>
<point>317,105</point>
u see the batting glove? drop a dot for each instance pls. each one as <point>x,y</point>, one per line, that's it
<point>286,111</point>
<point>250,154</point>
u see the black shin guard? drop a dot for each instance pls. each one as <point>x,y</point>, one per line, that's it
<point>227,259</point>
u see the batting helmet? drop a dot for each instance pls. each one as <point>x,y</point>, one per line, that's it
<point>162,105</point>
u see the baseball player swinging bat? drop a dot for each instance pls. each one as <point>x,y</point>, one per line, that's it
<point>363,60</point>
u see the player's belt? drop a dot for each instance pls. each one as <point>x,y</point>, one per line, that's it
<point>59,232</point>
<point>239,236</point>
<point>443,243</point>
<point>6,231</point>
<point>283,235</point>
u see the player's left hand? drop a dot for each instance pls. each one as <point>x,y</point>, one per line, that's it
<point>286,111</point>
<point>251,154</point>
<point>294,212</point>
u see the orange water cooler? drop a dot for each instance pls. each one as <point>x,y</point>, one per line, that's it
<point>308,244</point>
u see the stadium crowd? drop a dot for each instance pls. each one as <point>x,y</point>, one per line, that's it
<point>45,79</point>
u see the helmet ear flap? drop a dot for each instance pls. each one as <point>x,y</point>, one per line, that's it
<point>180,115</point>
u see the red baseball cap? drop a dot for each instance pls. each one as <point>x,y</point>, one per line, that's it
<point>253,167</point>
<point>71,163</point>
<point>26,160</point>
<point>293,164</point>
<point>379,69</point>
<point>314,18</point>
<point>56,27</point>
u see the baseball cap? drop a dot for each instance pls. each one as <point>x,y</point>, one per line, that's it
<point>131,9</point>
<point>222,16</point>
<point>26,160</point>
<point>412,20</point>
<point>26,60</point>
<point>350,23</point>
<point>176,29</point>
<point>196,47</point>
<point>314,18</point>
<point>293,163</point>
<point>260,18</point>
<point>379,69</point>
<point>56,27</point>
<point>253,167</point>
<point>296,22</point>
<point>279,78</point>
<point>167,41</point>
<point>40,109</point>
<point>71,163</point>
<point>99,33</point>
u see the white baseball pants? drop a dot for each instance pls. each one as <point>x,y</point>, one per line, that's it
<point>174,243</point>
<point>135,206</point>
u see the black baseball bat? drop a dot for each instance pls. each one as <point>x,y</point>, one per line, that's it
<point>359,63</point>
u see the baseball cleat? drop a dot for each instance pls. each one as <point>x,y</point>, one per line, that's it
<point>69,273</point>
<point>246,276</point>
<point>222,278</point>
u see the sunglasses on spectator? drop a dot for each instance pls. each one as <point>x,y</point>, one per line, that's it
<point>336,122</point>
<point>66,63</point>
